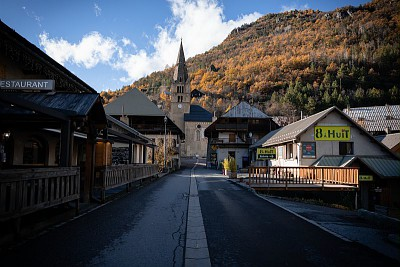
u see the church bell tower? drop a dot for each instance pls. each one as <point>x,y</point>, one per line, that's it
<point>180,91</point>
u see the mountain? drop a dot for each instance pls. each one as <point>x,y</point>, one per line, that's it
<point>298,61</point>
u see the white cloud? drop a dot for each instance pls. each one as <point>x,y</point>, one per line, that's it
<point>200,23</point>
<point>97,9</point>
<point>90,51</point>
<point>294,6</point>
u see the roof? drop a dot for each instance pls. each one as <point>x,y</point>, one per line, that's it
<point>69,104</point>
<point>331,160</point>
<point>180,68</point>
<point>34,60</point>
<point>198,113</point>
<point>377,118</point>
<point>264,138</point>
<point>130,130</point>
<point>385,167</point>
<point>245,110</point>
<point>133,103</point>
<point>292,131</point>
<point>389,140</point>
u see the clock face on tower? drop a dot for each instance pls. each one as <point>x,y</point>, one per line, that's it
<point>179,105</point>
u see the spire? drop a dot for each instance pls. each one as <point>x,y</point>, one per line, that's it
<point>180,68</point>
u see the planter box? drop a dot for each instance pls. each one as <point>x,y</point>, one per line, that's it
<point>232,175</point>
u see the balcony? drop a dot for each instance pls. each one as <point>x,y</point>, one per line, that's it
<point>227,141</point>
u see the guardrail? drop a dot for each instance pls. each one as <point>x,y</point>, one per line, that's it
<point>24,191</point>
<point>277,175</point>
<point>109,177</point>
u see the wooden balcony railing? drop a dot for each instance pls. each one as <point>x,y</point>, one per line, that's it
<point>226,141</point>
<point>23,191</point>
<point>287,176</point>
<point>114,176</point>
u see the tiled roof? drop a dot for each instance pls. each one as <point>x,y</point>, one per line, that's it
<point>245,110</point>
<point>198,113</point>
<point>291,131</point>
<point>133,103</point>
<point>389,140</point>
<point>377,118</point>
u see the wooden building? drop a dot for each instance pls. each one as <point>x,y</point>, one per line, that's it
<point>50,146</point>
<point>136,110</point>
<point>234,132</point>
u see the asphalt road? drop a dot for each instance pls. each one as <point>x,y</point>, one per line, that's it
<point>245,230</point>
<point>144,228</point>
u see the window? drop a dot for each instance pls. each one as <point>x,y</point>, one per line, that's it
<point>197,135</point>
<point>232,138</point>
<point>289,151</point>
<point>33,152</point>
<point>346,148</point>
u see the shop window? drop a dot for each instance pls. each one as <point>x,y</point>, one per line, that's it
<point>34,152</point>
<point>346,148</point>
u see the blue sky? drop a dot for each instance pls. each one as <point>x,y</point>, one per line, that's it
<point>111,43</point>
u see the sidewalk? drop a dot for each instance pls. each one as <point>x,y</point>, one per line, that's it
<point>372,230</point>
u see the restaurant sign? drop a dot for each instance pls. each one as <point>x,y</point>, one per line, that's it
<point>332,133</point>
<point>266,153</point>
<point>42,85</point>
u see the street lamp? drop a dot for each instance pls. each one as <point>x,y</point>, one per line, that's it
<point>165,142</point>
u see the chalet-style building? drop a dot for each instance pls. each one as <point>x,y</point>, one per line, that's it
<point>234,132</point>
<point>137,111</point>
<point>51,151</point>
<point>191,119</point>
<point>331,138</point>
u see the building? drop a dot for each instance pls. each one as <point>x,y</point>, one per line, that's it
<point>331,138</point>
<point>196,121</point>
<point>234,132</point>
<point>137,111</point>
<point>191,119</point>
<point>51,151</point>
<point>377,120</point>
<point>392,141</point>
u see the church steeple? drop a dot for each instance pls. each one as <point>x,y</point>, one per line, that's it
<point>180,91</point>
<point>180,72</point>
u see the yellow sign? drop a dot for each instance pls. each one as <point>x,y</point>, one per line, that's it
<point>332,133</point>
<point>266,153</point>
<point>365,178</point>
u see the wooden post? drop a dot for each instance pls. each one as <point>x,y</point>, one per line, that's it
<point>130,155</point>
<point>66,144</point>
<point>89,165</point>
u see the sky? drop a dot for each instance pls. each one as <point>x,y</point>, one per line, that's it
<point>112,43</point>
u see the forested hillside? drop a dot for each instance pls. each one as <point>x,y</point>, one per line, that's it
<point>298,61</point>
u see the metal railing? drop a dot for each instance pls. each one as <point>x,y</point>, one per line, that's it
<point>23,191</point>
<point>278,175</point>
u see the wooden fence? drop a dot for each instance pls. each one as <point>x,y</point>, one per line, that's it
<point>291,176</point>
<point>23,191</point>
<point>109,177</point>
